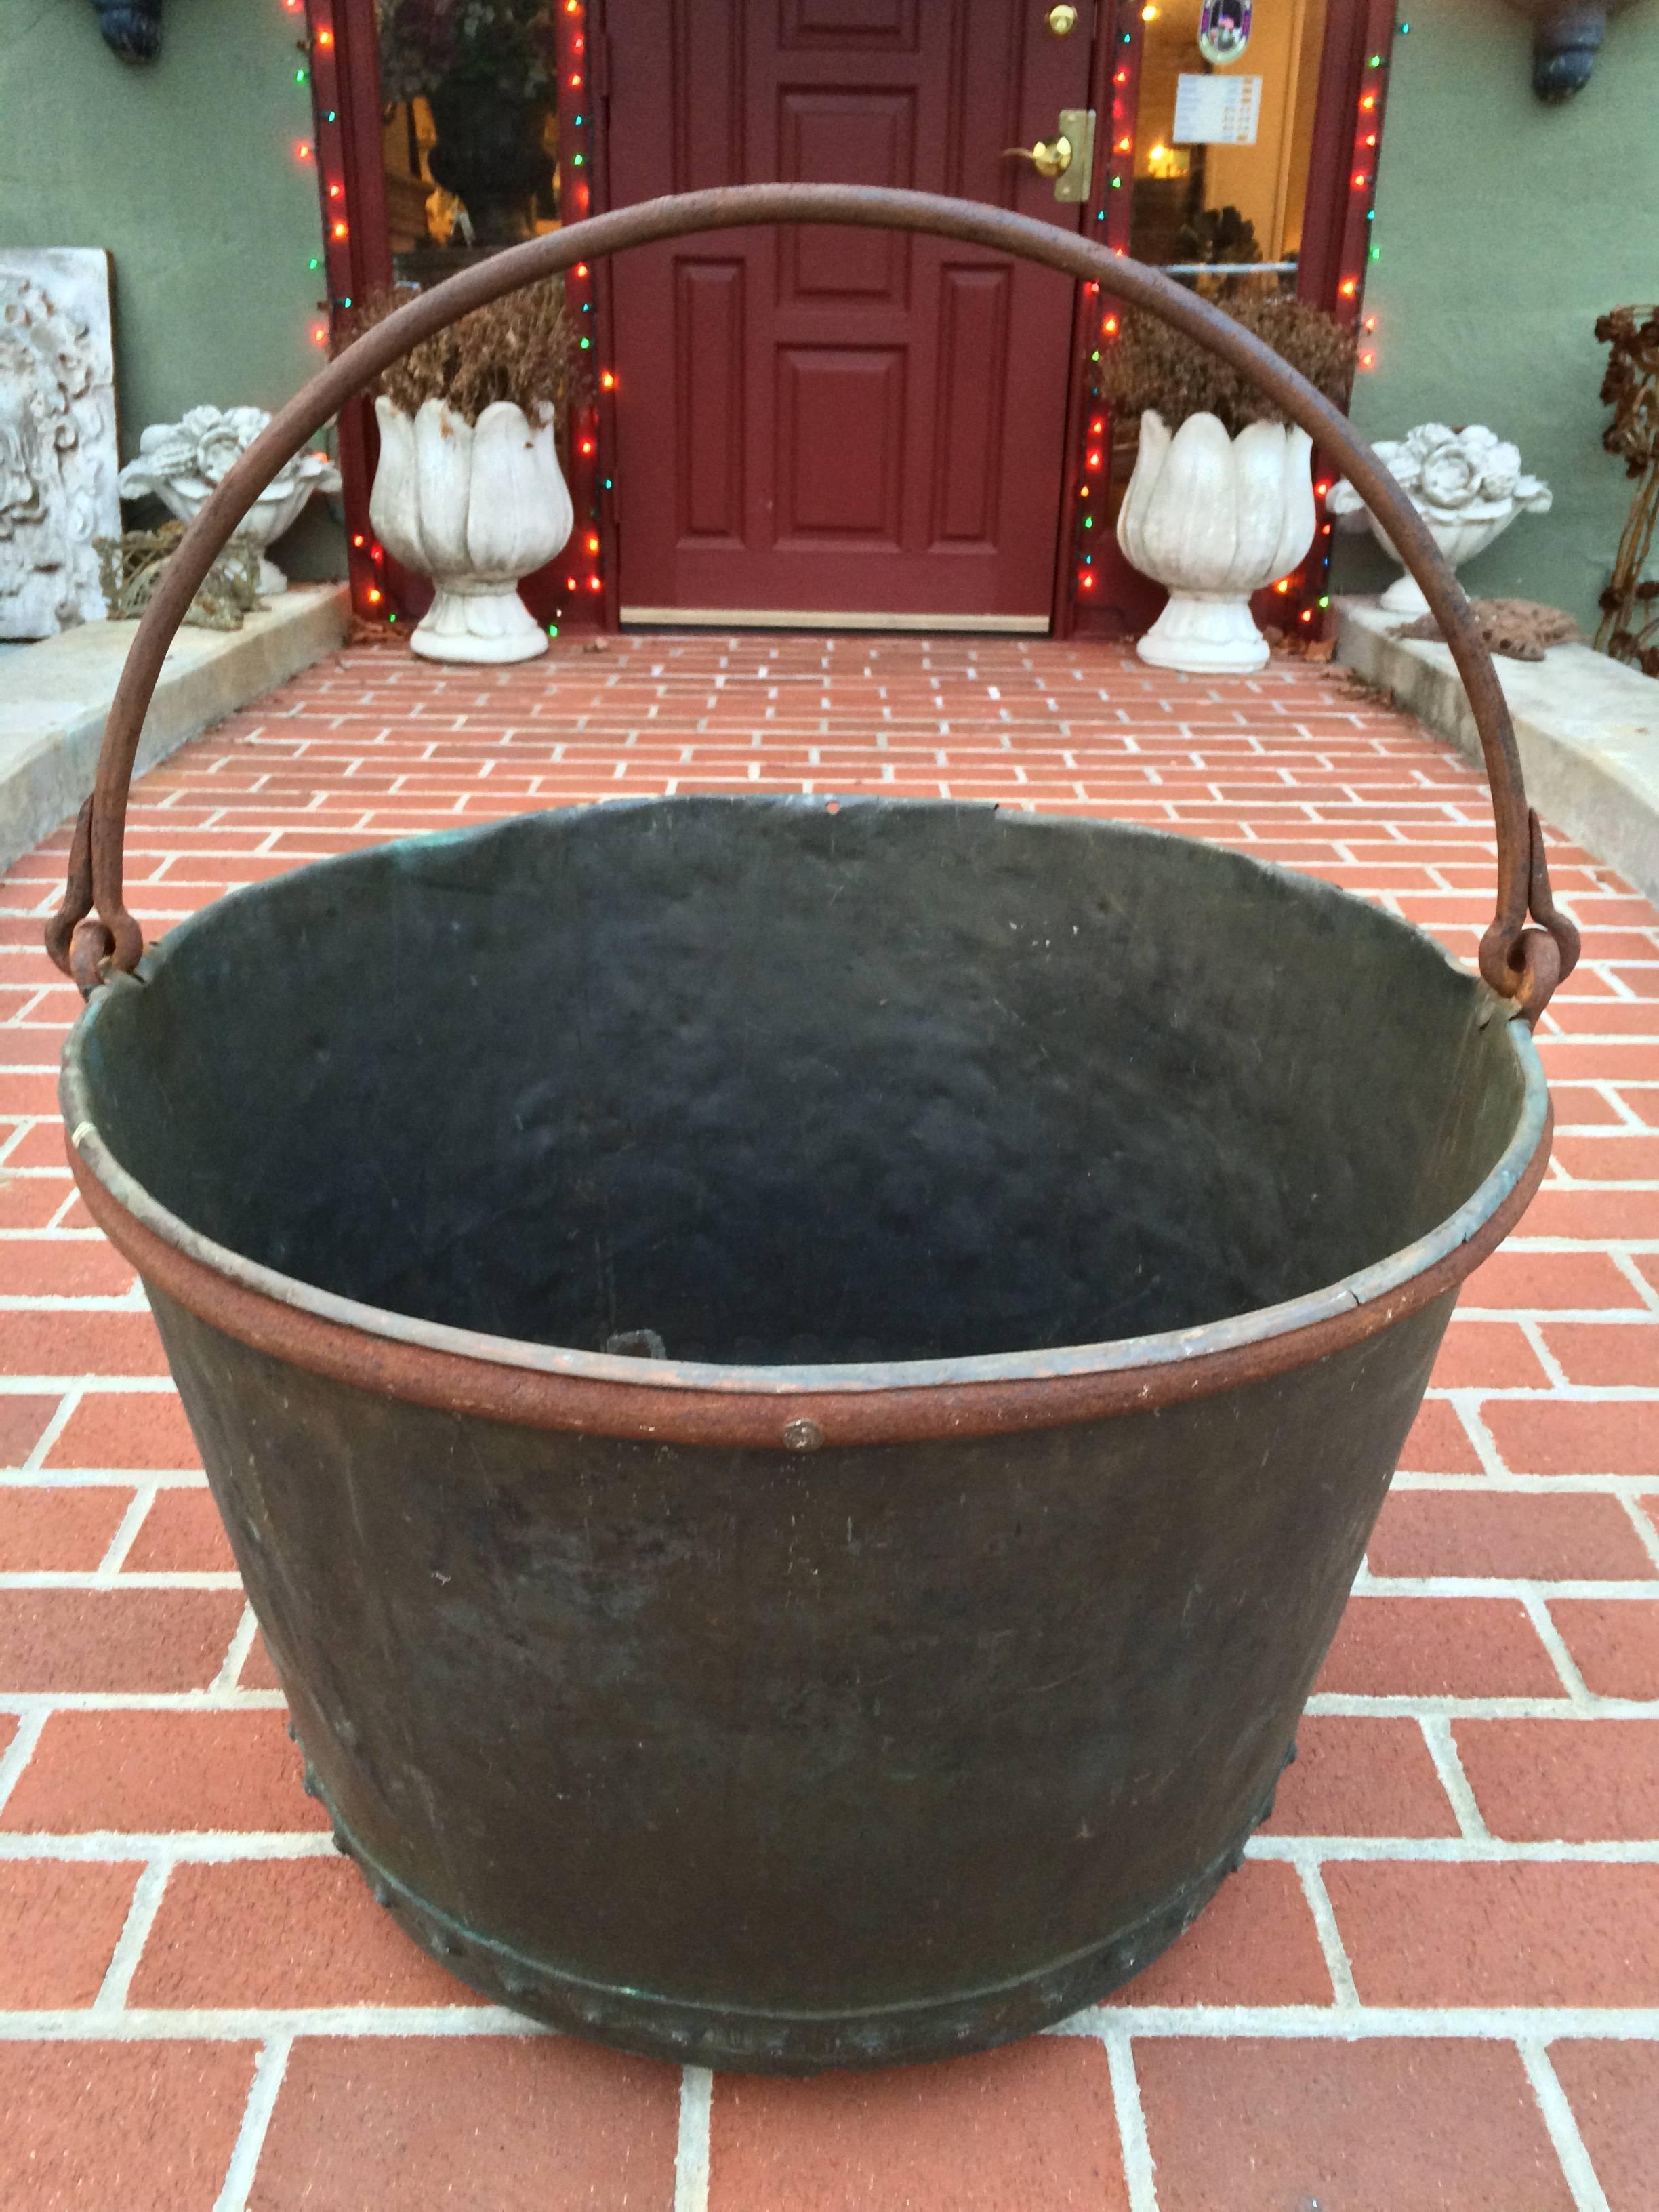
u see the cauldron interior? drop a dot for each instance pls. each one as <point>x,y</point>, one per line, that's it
<point>787,1081</point>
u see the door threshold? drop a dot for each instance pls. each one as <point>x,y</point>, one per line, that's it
<point>818,618</point>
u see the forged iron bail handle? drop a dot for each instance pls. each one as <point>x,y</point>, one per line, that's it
<point>93,927</point>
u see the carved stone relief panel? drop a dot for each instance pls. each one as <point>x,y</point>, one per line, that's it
<point>58,457</point>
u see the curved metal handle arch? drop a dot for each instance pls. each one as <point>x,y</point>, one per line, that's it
<point>93,927</point>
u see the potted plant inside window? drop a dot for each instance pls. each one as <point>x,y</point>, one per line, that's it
<point>1221,500</point>
<point>469,489</point>
<point>488,68</point>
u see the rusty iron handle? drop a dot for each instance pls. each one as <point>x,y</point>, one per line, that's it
<point>92,928</point>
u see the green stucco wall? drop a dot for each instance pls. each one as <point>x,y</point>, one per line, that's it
<point>184,169</point>
<point>1506,227</point>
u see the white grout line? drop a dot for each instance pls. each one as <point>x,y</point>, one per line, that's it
<point>141,1918</point>
<point>1550,1637</point>
<point>249,2024</point>
<point>1638,1589</point>
<point>121,1542</point>
<point>1587,2195</point>
<point>215,1701</point>
<point>692,2149</point>
<point>240,1644</point>
<point>268,2071</point>
<point>103,1577</point>
<point>1133,2147</point>
<point>99,1478</point>
<point>54,1429</point>
<point>19,1752</point>
<point>1352,1705</point>
<point>172,1847</point>
<point>1449,1851</point>
<point>1646,1527</point>
<point>1442,1750</point>
<point>1330,1940</point>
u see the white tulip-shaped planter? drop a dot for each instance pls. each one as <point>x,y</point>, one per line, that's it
<point>1213,518</point>
<point>474,507</point>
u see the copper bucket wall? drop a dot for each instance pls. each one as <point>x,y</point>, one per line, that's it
<point>798,1386</point>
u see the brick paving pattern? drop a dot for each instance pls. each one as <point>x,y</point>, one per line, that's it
<point>1435,1982</point>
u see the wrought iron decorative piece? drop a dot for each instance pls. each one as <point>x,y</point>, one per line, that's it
<point>131,28</point>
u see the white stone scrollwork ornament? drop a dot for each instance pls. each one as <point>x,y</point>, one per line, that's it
<point>183,463</point>
<point>1467,485</point>
<point>58,444</point>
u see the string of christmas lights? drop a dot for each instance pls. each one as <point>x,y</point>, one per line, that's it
<point>581,569</point>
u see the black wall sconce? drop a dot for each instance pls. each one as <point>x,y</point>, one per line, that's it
<point>131,28</point>
<point>1565,41</point>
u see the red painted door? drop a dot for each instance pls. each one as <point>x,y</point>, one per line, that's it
<point>831,422</point>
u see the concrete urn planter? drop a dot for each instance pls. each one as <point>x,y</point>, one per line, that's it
<point>474,507</point>
<point>1213,518</point>
<point>183,463</point>
<point>1468,486</point>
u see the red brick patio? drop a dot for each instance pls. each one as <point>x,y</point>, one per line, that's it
<point>1434,1983</point>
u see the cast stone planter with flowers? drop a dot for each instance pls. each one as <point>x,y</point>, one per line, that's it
<point>183,463</point>
<point>1222,504</point>
<point>468,489</point>
<point>1468,486</point>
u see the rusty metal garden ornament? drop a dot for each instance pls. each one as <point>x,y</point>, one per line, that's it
<point>798,1388</point>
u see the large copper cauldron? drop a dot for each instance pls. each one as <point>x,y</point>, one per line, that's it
<point>799,1388</point>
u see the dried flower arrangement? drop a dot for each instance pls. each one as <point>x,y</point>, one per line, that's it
<point>1630,604</point>
<point>507,46</point>
<point>521,348</point>
<point>1150,365</point>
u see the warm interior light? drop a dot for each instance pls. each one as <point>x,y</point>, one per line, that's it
<point>1124,145</point>
<point>336,191</point>
<point>1320,490</point>
<point>1149,13</point>
<point>303,150</point>
<point>586,446</point>
<point>1158,151</point>
<point>570,583</point>
<point>1110,326</point>
<point>325,38</point>
<point>1283,585</point>
<point>358,539</point>
<point>1360,180</point>
<point>607,380</point>
<point>1348,286</point>
<point>581,268</point>
<point>1087,582</point>
<point>594,585</point>
<point>1093,460</point>
<point>374,598</point>
<point>339,230</point>
<point>592,545</point>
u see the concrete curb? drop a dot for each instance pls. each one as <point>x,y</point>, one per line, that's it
<point>1588,728</point>
<point>55,696</point>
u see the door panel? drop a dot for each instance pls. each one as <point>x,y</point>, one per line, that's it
<point>860,422</point>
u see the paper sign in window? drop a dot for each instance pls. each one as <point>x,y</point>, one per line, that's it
<point>1216,111</point>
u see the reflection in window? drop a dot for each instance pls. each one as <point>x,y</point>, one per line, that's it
<point>1203,203</point>
<point>469,130</point>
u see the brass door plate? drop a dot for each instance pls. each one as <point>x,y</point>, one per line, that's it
<point>1077,124</point>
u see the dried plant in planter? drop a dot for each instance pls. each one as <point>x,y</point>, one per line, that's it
<point>523,349</point>
<point>1152,365</point>
<point>1630,604</point>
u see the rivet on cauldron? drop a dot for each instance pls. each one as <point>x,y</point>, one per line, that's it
<point>802,1436</point>
<point>381,1893</point>
<point>309,1784</point>
<point>438,1943</point>
<point>515,1985</point>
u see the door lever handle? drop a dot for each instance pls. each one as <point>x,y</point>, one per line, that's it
<point>1049,157</point>
<point>1068,157</point>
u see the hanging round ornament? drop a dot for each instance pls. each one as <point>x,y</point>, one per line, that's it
<point>1224,30</point>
